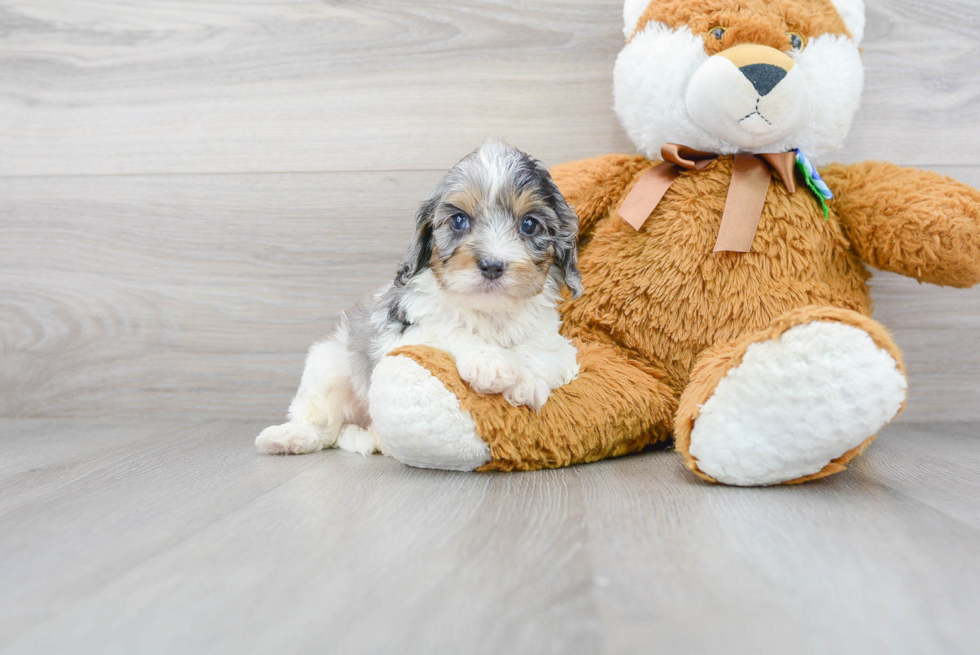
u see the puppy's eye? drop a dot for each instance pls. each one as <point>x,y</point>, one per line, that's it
<point>530,226</point>
<point>796,42</point>
<point>718,32</point>
<point>460,222</point>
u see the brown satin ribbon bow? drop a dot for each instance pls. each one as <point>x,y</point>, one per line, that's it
<point>746,195</point>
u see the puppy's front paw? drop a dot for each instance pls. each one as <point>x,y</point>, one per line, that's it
<point>288,439</point>
<point>488,372</point>
<point>530,391</point>
<point>567,374</point>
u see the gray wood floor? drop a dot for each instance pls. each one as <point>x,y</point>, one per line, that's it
<point>166,536</point>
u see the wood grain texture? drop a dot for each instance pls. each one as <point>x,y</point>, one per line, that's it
<point>860,563</point>
<point>198,295</point>
<point>181,86</point>
<point>185,86</point>
<point>173,536</point>
<point>191,191</point>
<point>111,550</point>
<point>174,294</point>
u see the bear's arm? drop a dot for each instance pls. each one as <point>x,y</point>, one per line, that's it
<point>907,221</point>
<point>591,185</point>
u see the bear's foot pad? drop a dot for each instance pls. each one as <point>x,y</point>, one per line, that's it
<point>796,403</point>
<point>419,421</point>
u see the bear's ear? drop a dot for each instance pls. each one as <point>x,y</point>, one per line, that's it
<point>632,10</point>
<point>852,11</point>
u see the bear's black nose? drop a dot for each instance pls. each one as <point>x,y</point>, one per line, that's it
<point>764,77</point>
<point>491,268</point>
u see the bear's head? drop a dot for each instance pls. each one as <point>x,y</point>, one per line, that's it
<point>728,76</point>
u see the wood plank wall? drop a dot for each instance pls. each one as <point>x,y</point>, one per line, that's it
<point>191,190</point>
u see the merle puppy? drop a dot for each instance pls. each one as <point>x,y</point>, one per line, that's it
<point>494,243</point>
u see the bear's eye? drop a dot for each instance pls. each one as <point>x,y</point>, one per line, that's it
<point>718,32</point>
<point>796,42</point>
<point>460,222</point>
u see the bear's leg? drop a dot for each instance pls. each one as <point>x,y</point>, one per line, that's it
<point>791,403</point>
<point>426,416</point>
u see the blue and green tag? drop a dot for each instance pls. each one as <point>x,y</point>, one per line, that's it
<point>814,182</point>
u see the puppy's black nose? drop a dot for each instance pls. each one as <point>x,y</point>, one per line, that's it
<point>491,268</point>
<point>764,77</point>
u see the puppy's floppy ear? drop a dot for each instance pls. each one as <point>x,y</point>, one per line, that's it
<point>420,251</point>
<point>566,239</point>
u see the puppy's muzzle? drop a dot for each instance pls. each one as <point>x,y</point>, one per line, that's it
<point>492,268</point>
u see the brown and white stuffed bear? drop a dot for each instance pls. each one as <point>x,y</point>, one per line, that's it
<point>726,302</point>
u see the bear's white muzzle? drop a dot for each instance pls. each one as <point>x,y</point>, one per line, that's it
<point>750,95</point>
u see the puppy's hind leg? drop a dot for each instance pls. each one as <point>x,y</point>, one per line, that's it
<point>323,404</point>
<point>355,439</point>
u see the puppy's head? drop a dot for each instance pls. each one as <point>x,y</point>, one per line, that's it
<point>495,229</point>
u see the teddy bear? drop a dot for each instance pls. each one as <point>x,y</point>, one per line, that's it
<point>726,303</point>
